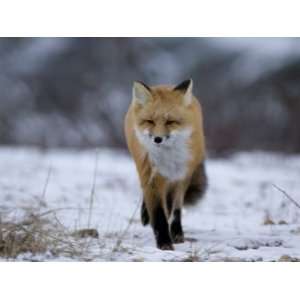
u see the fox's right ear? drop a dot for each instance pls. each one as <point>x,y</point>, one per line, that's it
<point>141,93</point>
<point>186,87</point>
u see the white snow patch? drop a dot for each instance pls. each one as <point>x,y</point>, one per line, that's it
<point>226,225</point>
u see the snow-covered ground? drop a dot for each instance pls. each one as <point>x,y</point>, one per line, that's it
<point>99,189</point>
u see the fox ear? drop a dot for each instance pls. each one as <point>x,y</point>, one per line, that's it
<point>186,87</point>
<point>141,93</point>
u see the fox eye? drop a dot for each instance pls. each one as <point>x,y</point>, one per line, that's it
<point>171,122</point>
<point>151,122</point>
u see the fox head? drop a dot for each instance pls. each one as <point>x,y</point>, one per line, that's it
<point>163,114</point>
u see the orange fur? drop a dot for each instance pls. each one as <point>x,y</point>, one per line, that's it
<point>165,107</point>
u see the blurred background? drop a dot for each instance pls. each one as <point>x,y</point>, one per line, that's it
<point>74,92</point>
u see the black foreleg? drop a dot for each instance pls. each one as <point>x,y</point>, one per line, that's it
<point>176,227</point>
<point>144,214</point>
<point>161,230</point>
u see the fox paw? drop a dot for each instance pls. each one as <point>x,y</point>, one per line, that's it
<point>165,246</point>
<point>178,238</point>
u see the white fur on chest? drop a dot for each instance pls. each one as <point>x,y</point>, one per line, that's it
<point>171,158</point>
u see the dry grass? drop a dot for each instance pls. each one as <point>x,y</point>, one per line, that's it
<point>287,196</point>
<point>43,233</point>
<point>93,189</point>
<point>193,257</point>
<point>122,235</point>
<point>36,234</point>
<point>20,238</point>
<point>194,254</point>
<point>287,258</point>
<point>268,220</point>
<point>86,232</point>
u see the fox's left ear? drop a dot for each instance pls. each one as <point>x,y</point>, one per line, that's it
<point>186,87</point>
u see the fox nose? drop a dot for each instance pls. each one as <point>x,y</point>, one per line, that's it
<point>158,139</point>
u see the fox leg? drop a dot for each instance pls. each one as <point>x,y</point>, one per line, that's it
<point>176,226</point>
<point>144,214</point>
<point>158,219</point>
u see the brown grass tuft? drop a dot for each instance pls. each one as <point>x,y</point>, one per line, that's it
<point>36,234</point>
<point>287,258</point>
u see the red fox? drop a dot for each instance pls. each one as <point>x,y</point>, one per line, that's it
<point>164,133</point>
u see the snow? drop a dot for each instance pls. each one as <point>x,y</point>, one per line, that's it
<point>227,225</point>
